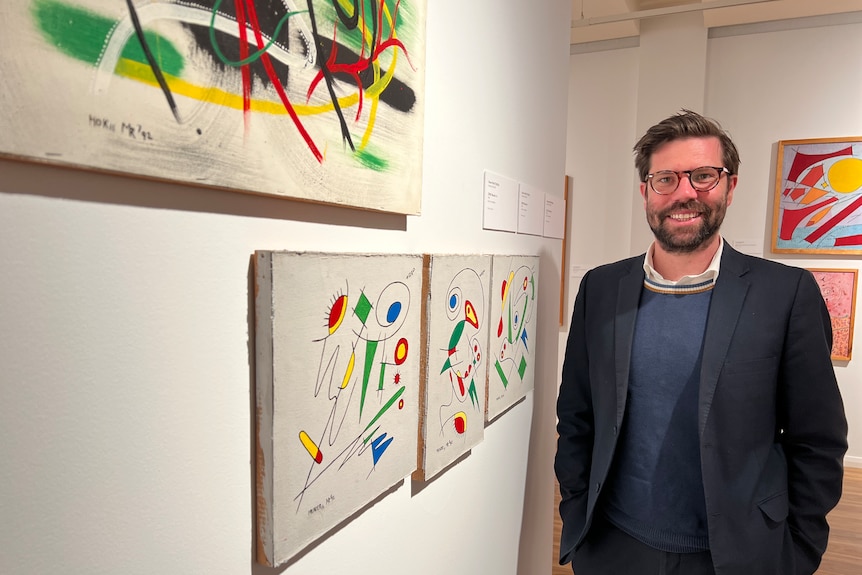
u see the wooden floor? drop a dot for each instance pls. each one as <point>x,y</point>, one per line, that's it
<point>844,554</point>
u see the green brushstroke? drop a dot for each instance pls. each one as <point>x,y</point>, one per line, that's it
<point>81,34</point>
<point>256,55</point>
<point>363,308</point>
<point>371,161</point>
<point>370,350</point>
<point>474,395</point>
<point>370,435</point>
<point>382,377</point>
<point>385,408</point>
<point>353,38</point>
<point>503,378</point>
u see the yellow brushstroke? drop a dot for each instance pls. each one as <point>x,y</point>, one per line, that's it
<point>349,371</point>
<point>309,445</point>
<point>143,73</point>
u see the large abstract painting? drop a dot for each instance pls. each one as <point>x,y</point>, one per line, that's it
<point>337,368</point>
<point>319,100</point>
<point>454,375</point>
<point>514,310</point>
<point>838,287</point>
<point>818,197</point>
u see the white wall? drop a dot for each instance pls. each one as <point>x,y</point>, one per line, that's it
<point>763,85</point>
<point>126,364</point>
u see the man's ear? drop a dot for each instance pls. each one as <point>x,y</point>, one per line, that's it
<point>731,185</point>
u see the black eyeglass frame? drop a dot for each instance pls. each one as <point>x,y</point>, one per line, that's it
<point>687,173</point>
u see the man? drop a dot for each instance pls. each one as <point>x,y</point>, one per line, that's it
<point>701,429</point>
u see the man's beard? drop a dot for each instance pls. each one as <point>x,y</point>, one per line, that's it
<point>681,242</point>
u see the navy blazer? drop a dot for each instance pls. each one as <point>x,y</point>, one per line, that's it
<point>771,420</point>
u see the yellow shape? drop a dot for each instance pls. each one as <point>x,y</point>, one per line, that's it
<point>819,216</point>
<point>349,371</point>
<point>845,175</point>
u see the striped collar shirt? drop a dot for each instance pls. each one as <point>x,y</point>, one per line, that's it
<point>690,284</point>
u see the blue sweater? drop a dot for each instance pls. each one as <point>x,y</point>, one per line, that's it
<point>655,492</point>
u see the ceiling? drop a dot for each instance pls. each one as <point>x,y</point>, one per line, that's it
<point>596,20</point>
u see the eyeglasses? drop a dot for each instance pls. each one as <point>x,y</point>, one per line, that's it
<point>702,179</point>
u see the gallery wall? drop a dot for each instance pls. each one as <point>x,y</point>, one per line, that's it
<point>126,356</point>
<point>764,83</point>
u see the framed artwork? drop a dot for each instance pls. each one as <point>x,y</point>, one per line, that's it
<point>818,197</point>
<point>838,287</point>
<point>314,100</point>
<point>457,310</point>
<point>337,355</point>
<point>563,261</point>
<point>514,310</point>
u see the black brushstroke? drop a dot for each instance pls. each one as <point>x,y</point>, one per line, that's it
<point>154,65</point>
<point>327,75</point>
<point>397,95</point>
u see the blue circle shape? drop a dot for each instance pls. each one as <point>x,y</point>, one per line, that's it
<point>393,312</point>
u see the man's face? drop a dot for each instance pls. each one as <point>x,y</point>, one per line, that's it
<point>685,220</point>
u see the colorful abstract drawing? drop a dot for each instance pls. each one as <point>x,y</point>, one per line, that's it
<point>818,197</point>
<point>337,377</point>
<point>318,100</point>
<point>452,416</point>
<point>514,305</point>
<point>838,287</point>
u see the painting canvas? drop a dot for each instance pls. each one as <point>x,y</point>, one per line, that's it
<point>452,416</point>
<point>818,197</point>
<point>318,100</point>
<point>337,389</point>
<point>838,287</point>
<point>514,310</point>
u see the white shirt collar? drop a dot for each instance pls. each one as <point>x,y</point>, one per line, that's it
<point>711,272</point>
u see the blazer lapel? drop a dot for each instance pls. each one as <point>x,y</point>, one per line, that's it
<point>628,298</point>
<point>727,299</point>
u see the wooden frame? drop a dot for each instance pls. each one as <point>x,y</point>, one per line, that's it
<point>818,196</point>
<point>563,264</point>
<point>838,287</point>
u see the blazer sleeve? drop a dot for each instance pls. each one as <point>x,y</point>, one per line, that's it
<point>575,429</point>
<point>813,427</point>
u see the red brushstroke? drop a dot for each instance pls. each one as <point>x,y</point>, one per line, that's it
<point>276,82</point>
<point>849,241</point>
<point>821,231</point>
<point>245,69</point>
<point>813,176</point>
<point>791,218</point>
<point>802,161</point>
<point>362,63</point>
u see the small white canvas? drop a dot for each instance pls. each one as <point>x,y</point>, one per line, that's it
<point>452,418</point>
<point>514,310</point>
<point>337,370</point>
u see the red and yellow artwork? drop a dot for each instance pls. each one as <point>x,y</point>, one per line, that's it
<point>452,417</point>
<point>818,197</point>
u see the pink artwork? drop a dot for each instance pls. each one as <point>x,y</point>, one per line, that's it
<point>838,287</point>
